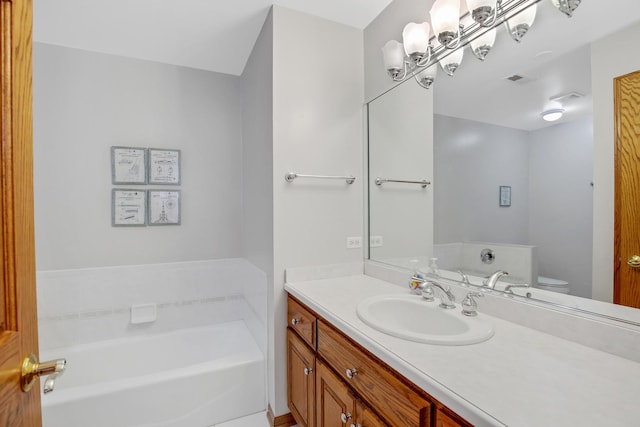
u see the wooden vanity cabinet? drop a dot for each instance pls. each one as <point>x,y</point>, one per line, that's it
<point>301,380</point>
<point>334,382</point>
<point>337,406</point>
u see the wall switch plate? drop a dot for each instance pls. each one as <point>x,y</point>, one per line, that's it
<point>354,242</point>
<point>375,241</point>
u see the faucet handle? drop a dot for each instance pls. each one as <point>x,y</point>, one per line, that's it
<point>470,305</point>
<point>464,278</point>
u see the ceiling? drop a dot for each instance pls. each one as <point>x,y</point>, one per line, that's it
<point>212,35</point>
<point>215,35</point>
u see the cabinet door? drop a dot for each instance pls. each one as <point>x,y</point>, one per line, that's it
<point>301,380</point>
<point>445,418</point>
<point>335,405</point>
<point>366,417</point>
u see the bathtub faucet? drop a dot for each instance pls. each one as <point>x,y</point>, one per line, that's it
<point>491,281</point>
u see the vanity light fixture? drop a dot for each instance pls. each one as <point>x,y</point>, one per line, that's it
<point>483,44</point>
<point>566,6</point>
<point>445,17</point>
<point>552,115</point>
<point>417,54</point>
<point>451,62</point>
<point>520,24</point>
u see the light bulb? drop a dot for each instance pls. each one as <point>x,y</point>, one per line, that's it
<point>445,18</point>
<point>416,40</point>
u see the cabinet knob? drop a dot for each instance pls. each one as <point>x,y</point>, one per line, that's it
<point>351,373</point>
<point>308,371</point>
<point>345,417</point>
<point>295,321</point>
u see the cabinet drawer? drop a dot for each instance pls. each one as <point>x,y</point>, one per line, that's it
<point>400,405</point>
<point>302,321</point>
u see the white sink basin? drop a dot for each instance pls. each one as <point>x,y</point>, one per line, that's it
<point>413,318</point>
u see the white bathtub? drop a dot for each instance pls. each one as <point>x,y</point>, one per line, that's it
<point>188,378</point>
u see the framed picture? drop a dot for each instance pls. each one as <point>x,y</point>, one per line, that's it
<point>505,196</point>
<point>164,207</point>
<point>128,165</point>
<point>128,207</point>
<point>164,166</point>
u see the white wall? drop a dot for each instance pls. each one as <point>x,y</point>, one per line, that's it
<point>86,102</point>
<point>317,129</point>
<point>472,160</point>
<point>561,202</point>
<point>610,58</point>
<point>257,173</point>
<point>400,149</point>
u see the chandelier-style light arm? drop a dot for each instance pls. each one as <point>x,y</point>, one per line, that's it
<point>521,13</point>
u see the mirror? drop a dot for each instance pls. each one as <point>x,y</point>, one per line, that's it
<point>501,177</point>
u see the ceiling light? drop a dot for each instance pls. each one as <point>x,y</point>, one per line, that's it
<point>552,115</point>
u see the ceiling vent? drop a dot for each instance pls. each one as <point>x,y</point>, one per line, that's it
<point>566,97</point>
<point>515,78</point>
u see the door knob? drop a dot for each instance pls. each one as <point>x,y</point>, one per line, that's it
<point>634,261</point>
<point>31,370</point>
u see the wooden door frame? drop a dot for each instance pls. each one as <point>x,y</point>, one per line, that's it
<point>18,337</point>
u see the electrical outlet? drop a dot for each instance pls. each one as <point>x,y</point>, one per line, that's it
<point>375,241</point>
<point>354,242</point>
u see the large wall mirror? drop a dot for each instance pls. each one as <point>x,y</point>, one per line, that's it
<point>500,177</point>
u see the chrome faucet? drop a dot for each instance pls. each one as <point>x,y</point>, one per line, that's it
<point>424,286</point>
<point>490,282</point>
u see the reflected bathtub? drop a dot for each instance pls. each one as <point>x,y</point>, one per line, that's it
<point>193,377</point>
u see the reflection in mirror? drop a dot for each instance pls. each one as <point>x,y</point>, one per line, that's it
<point>488,132</point>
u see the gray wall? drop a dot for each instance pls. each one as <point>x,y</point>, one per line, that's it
<point>561,202</point>
<point>257,173</point>
<point>257,153</point>
<point>471,161</point>
<point>549,171</point>
<point>86,102</point>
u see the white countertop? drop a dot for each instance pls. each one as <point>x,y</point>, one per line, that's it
<point>520,377</point>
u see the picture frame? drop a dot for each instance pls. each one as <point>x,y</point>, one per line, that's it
<point>505,196</point>
<point>164,207</point>
<point>128,165</point>
<point>163,166</point>
<point>128,207</point>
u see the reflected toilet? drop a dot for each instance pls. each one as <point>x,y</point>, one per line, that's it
<point>553,285</point>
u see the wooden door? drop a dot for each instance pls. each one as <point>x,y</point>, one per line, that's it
<point>18,318</point>
<point>300,380</point>
<point>627,190</point>
<point>336,406</point>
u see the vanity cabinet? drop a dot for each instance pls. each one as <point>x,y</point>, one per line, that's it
<point>334,382</point>
<point>338,406</point>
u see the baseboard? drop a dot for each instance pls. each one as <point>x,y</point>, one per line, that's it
<point>285,420</point>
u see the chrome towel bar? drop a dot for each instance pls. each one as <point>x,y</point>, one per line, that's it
<point>290,176</point>
<point>423,183</point>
